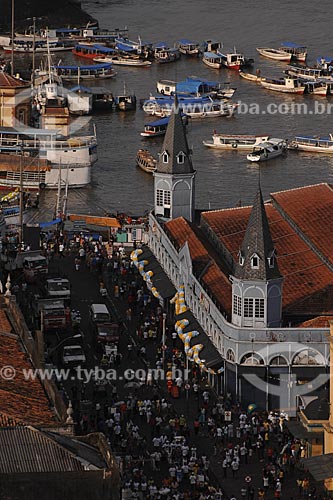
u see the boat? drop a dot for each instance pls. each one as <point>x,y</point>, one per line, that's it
<point>158,127</point>
<point>119,60</point>
<point>298,52</point>
<point>276,54</point>
<point>188,47</point>
<point>89,72</point>
<point>140,48</point>
<point>98,98</point>
<point>326,63</point>
<point>251,77</point>
<point>234,60</point>
<point>316,87</point>
<point>312,144</point>
<point>235,142</point>
<point>91,51</point>
<point>125,101</point>
<point>286,84</point>
<point>211,46</point>
<point>309,73</point>
<point>212,60</point>
<point>41,46</point>
<point>45,154</point>
<point>164,54</point>
<point>146,161</point>
<point>166,87</point>
<point>193,107</point>
<point>267,150</point>
<point>210,110</point>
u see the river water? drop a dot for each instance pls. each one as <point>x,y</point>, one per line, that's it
<point>223,178</point>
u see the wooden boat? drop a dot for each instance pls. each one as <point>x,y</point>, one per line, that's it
<point>251,77</point>
<point>267,150</point>
<point>236,142</point>
<point>309,73</point>
<point>125,101</point>
<point>91,51</point>
<point>129,47</point>
<point>163,54</point>
<point>312,144</point>
<point>234,60</point>
<point>38,47</point>
<point>298,52</point>
<point>166,87</point>
<point>276,54</point>
<point>287,85</point>
<point>146,161</point>
<point>211,46</point>
<point>118,60</point>
<point>90,72</point>
<point>158,127</point>
<point>316,88</point>
<point>212,60</point>
<point>188,48</point>
<point>210,110</point>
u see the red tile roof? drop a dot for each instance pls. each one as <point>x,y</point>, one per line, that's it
<point>181,231</point>
<point>304,273</point>
<point>318,322</point>
<point>21,398</point>
<point>8,81</point>
<point>311,209</point>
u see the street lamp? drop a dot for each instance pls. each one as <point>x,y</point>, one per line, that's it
<point>163,338</point>
<point>76,336</point>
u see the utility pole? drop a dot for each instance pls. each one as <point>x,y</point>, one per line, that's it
<point>21,198</point>
<point>33,51</point>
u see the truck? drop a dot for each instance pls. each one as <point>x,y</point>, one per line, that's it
<point>53,314</point>
<point>33,266</point>
<point>58,288</point>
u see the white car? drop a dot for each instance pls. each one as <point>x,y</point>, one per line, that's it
<point>73,355</point>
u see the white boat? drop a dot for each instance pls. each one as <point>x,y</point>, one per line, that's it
<point>164,54</point>
<point>210,110</point>
<point>122,61</point>
<point>316,88</point>
<point>88,72</point>
<point>146,161</point>
<point>267,150</point>
<point>37,47</point>
<point>298,52</point>
<point>234,60</point>
<point>308,73</point>
<point>250,76</point>
<point>188,48</point>
<point>276,54</point>
<point>71,157</point>
<point>166,87</point>
<point>158,127</point>
<point>235,142</point>
<point>286,84</point>
<point>212,60</point>
<point>313,144</point>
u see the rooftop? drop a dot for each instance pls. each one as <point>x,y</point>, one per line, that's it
<point>8,81</point>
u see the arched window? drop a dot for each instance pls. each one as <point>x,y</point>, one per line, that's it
<point>308,357</point>
<point>181,158</point>
<point>255,261</point>
<point>278,361</point>
<point>165,157</point>
<point>252,358</point>
<point>230,355</point>
<point>240,259</point>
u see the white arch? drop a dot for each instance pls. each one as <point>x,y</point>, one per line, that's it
<point>248,292</point>
<point>181,180</point>
<point>278,356</point>
<point>317,362</point>
<point>163,184</point>
<point>251,354</point>
<point>231,351</point>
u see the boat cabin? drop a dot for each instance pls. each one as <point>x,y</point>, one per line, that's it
<point>84,72</point>
<point>297,51</point>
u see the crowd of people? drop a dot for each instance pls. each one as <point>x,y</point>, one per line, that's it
<point>175,444</point>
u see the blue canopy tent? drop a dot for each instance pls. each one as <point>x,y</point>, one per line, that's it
<point>51,223</point>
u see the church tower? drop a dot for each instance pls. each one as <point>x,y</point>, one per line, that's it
<point>257,282</point>
<point>174,175</point>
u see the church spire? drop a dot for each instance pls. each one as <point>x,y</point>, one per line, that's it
<point>257,254</point>
<point>175,157</point>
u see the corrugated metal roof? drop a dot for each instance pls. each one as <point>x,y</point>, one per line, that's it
<point>27,450</point>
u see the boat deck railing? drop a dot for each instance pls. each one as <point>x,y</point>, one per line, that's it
<point>19,144</point>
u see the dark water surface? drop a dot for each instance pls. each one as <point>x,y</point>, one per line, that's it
<point>223,178</point>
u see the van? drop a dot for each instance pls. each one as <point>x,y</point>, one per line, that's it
<point>99,313</point>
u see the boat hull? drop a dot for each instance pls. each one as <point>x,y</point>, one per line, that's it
<point>235,143</point>
<point>210,64</point>
<point>282,88</point>
<point>276,55</point>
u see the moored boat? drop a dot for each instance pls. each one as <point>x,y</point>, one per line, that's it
<point>158,127</point>
<point>212,60</point>
<point>312,144</point>
<point>287,85</point>
<point>37,47</point>
<point>188,47</point>
<point>308,73</point>
<point>235,142</point>
<point>91,51</point>
<point>166,87</point>
<point>275,54</point>
<point>250,76</point>
<point>118,60</point>
<point>267,150</point>
<point>298,52</point>
<point>146,161</point>
<point>125,101</point>
<point>316,88</point>
<point>234,60</point>
<point>89,72</point>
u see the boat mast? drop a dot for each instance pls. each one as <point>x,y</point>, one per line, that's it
<point>21,198</point>
<point>13,34</point>
<point>33,51</point>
